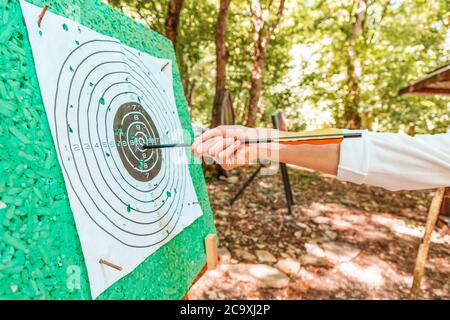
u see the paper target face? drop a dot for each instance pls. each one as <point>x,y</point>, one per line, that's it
<point>104,102</point>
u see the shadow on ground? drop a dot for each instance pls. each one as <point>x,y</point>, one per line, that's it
<point>342,241</point>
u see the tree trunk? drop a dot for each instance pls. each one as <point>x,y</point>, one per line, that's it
<point>173,20</point>
<point>352,117</point>
<point>189,93</point>
<point>221,61</point>
<point>261,43</point>
<point>255,90</point>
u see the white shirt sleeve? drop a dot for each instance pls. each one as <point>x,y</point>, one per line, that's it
<point>396,161</point>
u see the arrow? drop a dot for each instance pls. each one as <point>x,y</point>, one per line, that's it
<point>332,138</point>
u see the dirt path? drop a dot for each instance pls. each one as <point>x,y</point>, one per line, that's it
<point>342,241</point>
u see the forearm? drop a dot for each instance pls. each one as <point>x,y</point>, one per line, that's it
<point>323,158</point>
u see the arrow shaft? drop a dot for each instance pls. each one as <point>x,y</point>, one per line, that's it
<point>270,140</point>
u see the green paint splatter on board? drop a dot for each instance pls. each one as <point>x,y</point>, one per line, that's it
<point>168,194</point>
<point>129,208</point>
<point>120,131</point>
<point>77,42</point>
<point>71,69</point>
<point>65,27</point>
<point>102,101</point>
<point>40,33</point>
<point>69,128</point>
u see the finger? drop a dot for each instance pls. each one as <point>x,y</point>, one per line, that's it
<point>210,134</point>
<point>196,142</point>
<point>194,148</point>
<point>205,137</point>
<point>220,146</point>
<point>238,158</point>
<point>226,131</point>
<point>227,156</point>
<point>203,148</point>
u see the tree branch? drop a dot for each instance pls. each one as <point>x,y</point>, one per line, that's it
<point>173,20</point>
<point>256,14</point>
<point>383,14</point>
<point>138,11</point>
<point>275,24</point>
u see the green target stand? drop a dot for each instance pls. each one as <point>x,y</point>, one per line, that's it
<point>40,251</point>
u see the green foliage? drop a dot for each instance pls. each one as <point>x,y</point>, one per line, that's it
<point>196,55</point>
<point>402,41</point>
<point>240,47</point>
<point>150,13</point>
<point>306,66</point>
<point>195,45</point>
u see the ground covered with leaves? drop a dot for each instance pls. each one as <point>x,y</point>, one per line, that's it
<point>342,241</point>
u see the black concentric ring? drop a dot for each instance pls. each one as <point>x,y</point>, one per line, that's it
<point>116,104</point>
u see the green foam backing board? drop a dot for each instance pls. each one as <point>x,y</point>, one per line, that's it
<point>40,252</point>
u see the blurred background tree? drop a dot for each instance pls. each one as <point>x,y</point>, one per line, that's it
<point>327,62</point>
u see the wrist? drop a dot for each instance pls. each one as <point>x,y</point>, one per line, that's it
<point>270,152</point>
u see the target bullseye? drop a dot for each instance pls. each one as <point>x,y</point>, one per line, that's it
<point>132,118</point>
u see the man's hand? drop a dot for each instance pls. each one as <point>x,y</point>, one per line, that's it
<point>225,145</point>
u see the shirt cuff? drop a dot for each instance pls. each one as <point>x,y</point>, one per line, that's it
<point>354,161</point>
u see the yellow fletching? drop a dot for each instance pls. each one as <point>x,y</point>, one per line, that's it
<point>316,137</point>
<point>328,133</point>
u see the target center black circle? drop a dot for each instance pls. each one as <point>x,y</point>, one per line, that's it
<point>134,128</point>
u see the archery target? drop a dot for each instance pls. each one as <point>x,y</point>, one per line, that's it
<point>105,101</point>
<point>106,105</point>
